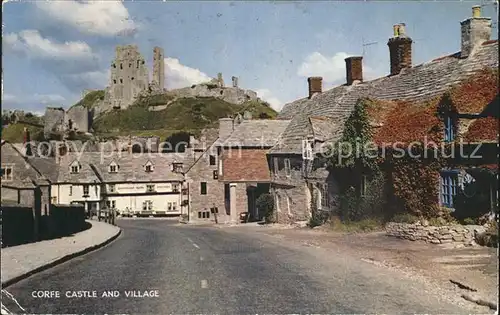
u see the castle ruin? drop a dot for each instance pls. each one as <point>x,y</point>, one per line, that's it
<point>158,82</point>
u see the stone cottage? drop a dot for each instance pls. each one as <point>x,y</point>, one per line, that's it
<point>298,176</point>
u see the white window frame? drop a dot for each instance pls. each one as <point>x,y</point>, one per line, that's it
<point>307,149</point>
<point>275,166</point>
<point>112,204</point>
<point>112,188</point>
<point>150,188</point>
<point>169,206</point>
<point>175,187</point>
<point>75,169</point>
<point>10,176</point>
<point>277,201</point>
<point>86,187</point>
<point>113,168</point>
<point>288,172</point>
<point>71,190</point>
<point>220,167</point>
<point>174,206</point>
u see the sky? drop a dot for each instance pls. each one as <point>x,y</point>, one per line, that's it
<point>53,50</point>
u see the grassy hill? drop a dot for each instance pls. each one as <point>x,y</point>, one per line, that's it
<point>183,114</point>
<point>91,99</point>
<point>14,132</point>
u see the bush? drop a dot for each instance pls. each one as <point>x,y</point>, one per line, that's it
<point>265,204</point>
<point>405,218</point>
<point>470,221</point>
<point>318,218</point>
<point>472,203</point>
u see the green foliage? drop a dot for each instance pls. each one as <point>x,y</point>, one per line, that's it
<point>473,202</point>
<point>317,218</point>
<point>365,225</point>
<point>14,133</point>
<point>154,100</point>
<point>405,218</point>
<point>352,149</point>
<point>469,221</point>
<point>91,99</point>
<point>265,204</point>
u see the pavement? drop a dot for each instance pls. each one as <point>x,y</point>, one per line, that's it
<point>19,262</point>
<point>182,269</point>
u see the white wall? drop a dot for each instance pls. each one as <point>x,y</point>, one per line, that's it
<point>123,200</point>
<point>61,193</point>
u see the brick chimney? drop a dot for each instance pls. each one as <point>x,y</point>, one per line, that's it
<point>475,31</point>
<point>226,127</point>
<point>399,49</point>
<point>354,70</point>
<point>315,85</point>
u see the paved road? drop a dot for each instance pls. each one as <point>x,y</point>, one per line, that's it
<point>227,271</point>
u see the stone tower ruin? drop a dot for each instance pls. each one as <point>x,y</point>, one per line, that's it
<point>158,81</point>
<point>129,76</point>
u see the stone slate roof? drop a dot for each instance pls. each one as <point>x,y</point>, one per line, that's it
<point>130,167</point>
<point>47,166</point>
<point>23,170</point>
<point>418,83</point>
<point>263,133</point>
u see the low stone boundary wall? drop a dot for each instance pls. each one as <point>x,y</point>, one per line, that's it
<point>462,234</point>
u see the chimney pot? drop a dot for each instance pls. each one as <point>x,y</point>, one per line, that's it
<point>354,69</point>
<point>476,11</point>
<point>315,85</point>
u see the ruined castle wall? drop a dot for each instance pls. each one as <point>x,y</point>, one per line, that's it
<point>230,94</point>
<point>158,80</point>
<point>79,117</point>
<point>54,120</point>
<point>129,76</point>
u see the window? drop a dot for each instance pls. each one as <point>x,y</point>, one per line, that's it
<point>220,167</point>
<point>71,190</point>
<point>212,159</point>
<point>138,64</point>
<point>113,168</point>
<point>169,206</point>
<point>287,167</point>
<point>324,196</point>
<point>114,81</point>
<point>275,166</point>
<point>7,173</point>
<point>148,167</point>
<point>203,214</point>
<point>85,190</point>
<point>150,188</point>
<point>111,204</point>
<point>307,152</point>
<point>75,169</point>
<point>449,129</point>
<point>449,182</point>
<point>175,187</point>
<point>203,188</point>
<point>111,188</point>
<point>132,78</point>
<point>121,65</point>
<point>363,186</point>
<point>174,206</point>
<point>177,167</point>
<point>147,205</point>
<point>114,66</point>
<point>130,65</point>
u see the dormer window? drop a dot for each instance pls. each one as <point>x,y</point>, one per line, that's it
<point>76,167</point>
<point>177,167</point>
<point>449,129</point>
<point>113,167</point>
<point>149,167</point>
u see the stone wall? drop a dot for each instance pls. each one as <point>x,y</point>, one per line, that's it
<point>461,234</point>
<point>79,118</point>
<point>54,120</point>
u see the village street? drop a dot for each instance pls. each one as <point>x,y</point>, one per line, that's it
<point>226,270</point>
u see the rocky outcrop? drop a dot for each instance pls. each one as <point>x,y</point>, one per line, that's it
<point>462,234</point>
